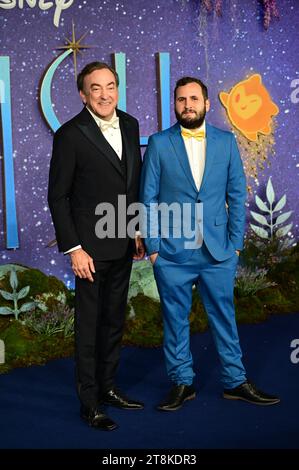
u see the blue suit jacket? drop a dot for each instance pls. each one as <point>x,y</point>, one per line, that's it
<point>166,178</point>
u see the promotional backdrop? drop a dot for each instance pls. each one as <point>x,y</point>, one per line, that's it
<point>220,50</point>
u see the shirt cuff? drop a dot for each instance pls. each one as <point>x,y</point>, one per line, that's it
<point>72,249</point>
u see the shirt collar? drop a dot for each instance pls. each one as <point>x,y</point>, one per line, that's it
<point>99,120</point>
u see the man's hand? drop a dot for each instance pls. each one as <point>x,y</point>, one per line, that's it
<point>153,257</point>
<point>139,248</point>
<point>82,264</point>
<point>238,252</point>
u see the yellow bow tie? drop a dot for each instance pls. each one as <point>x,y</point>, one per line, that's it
<point>114,123</point>
<point>188,133</point>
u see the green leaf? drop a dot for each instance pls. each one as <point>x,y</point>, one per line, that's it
<point>143,281</point>
<point>282,231</point>
<point>261,205</point>
<point>283,217</point>
<point>23,292</point>
<point>28,306</point>
<point>7,295</point>
<point>41,306</point>
<point>281,203</point>
<point>287,243</point>
<point>6,311</point>
<point>262,233</point>
<point>270,191</point>
<point>259,218</point>
<point>13,279</point>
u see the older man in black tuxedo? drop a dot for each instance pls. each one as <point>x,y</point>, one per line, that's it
<point>96,159</point>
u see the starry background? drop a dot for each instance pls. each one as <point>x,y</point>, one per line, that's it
<point>219,51</point>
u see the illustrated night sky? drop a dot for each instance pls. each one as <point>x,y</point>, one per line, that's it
<point>227,51</point>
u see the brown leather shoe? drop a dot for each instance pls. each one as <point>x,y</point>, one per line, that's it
<point>96,418</point>
<point>247,391</point>
<point>177,396</point>
<point>116,398</point>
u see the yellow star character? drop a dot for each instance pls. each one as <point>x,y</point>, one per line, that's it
<point>250,107</point>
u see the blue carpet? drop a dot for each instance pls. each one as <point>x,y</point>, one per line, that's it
<point>39,407</point>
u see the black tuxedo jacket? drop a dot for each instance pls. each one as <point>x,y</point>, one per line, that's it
<point>85,171</point>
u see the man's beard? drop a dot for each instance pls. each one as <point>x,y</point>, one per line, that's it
<point>191,123</point>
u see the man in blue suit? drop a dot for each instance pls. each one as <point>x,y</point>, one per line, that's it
<point>193,181</point>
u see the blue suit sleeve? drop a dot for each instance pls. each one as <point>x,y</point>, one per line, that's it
<point>236,197</point>
<point>149,196</point>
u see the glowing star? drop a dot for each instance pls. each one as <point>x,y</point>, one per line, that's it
<point>75,45</point>
<point>250,107</point>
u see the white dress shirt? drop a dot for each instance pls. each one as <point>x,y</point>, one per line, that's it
<point>112,135</point>
<point>196,151</point>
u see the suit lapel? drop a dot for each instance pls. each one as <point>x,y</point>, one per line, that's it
<point>127,146</point>
<point>180,151</point>
<point>210,154</point>
<point>88,126</point>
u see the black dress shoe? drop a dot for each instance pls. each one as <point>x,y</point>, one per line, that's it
<point>97,419</point>
<point>177,396</point>
<point>115,398</point>
<point>247,391</point>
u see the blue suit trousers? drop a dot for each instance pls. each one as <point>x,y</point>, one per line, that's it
<point>215,283</point>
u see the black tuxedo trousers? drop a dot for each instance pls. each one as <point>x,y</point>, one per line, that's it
<point>99,322</point>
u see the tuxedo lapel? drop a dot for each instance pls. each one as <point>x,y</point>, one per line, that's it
<point>127,146</point>
<point>181,154</point>
<point>89,128</point>
<point>210,154</point>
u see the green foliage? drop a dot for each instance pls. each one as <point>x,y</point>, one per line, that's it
<point>264,254</point>
<point>48,323</point>
<point>17,339</point>
<point>250,281</point>
<point>145,327</point>
<point>6,268</point>
<point>275,301</point>
<point>15,296</point>
<point>39,283</point>
<point>24,348</point>
<point>250,310</point>
<point>286,275</point>
<point>142,282</point>
<point>271,222</point>
<point>27,342</point>
<point>49,301</point>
